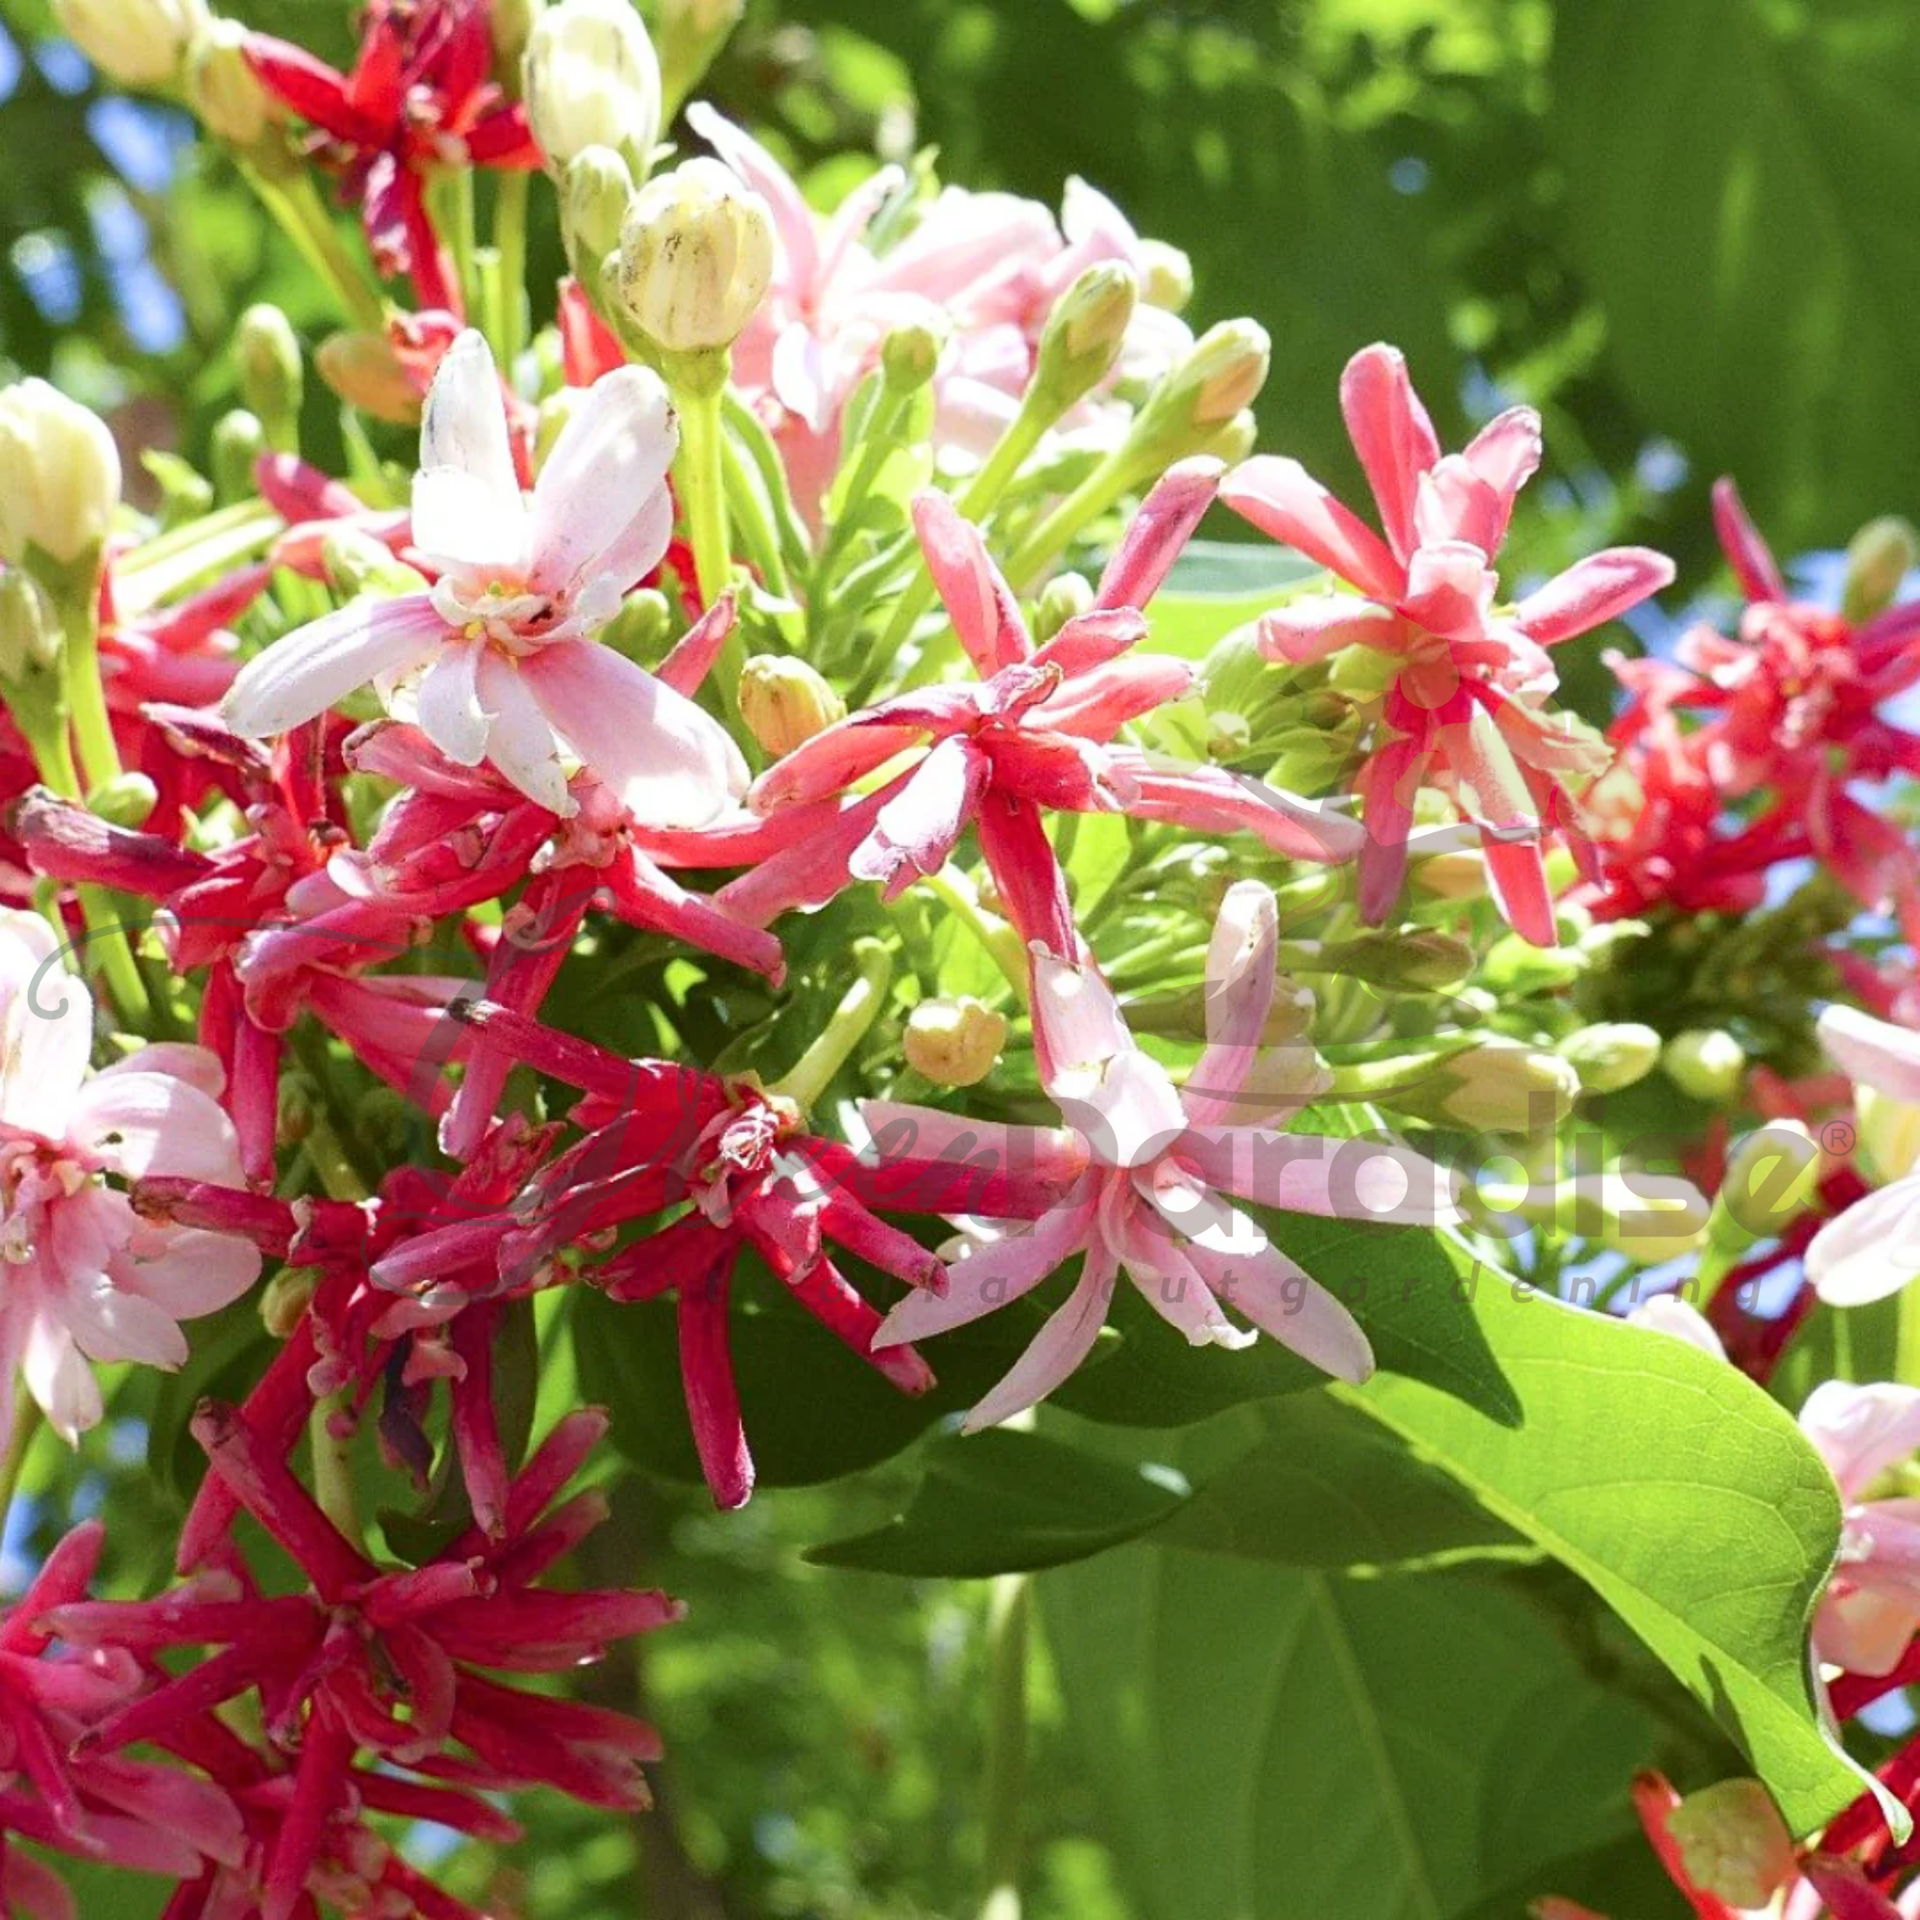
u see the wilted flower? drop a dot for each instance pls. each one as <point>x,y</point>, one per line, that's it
<point>500,649</point>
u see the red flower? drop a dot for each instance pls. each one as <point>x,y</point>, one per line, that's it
<point>419,97</point>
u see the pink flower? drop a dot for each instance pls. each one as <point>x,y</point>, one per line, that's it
<point>1165,1166</point>
<point>1038,732</point>
<point>1467,708</point>
<point>1873,1248</point>
<point>1871,1607</point>
<point>498,656</point>
<point>85,1278</point>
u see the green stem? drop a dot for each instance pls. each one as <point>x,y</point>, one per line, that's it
<point>875,447</point>
<point>959,895</point>
<point>510,243</point>
<point>298,210</point>
<point>27,1421</point>
<point>698,475</point>
<point>751,516</point>
<point>859,1007</point>
<point>456,196</point>
<point>1009,1632</point>
<point>1091,498</point>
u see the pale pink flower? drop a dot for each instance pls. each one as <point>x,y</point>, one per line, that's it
<point>1872,1249</point>
<point>991,264</point>
<point>497,659</point>
<point>84,1278</point>
<point>1871,1607</point>
<point>1165,1165</point>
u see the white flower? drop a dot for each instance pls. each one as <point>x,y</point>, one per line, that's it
<point>82,1276</point>
<point>592,80</point>
<point>498,654</point>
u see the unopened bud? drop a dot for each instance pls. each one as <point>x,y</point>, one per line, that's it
<point>1516,967</point>
<point>224,90</point>
<point>1771,1179</point>
<point>1083,335</point>
<point>1065,597</point>
<point>594,196</point>
<point>59,475</point>
<point>1706,1062</point>
<point>355,562</point>
<point>1733,1843</point>
<point>555,411</point>
<point>910,354</point>
<point>233,450</point>
<point>1222,375</point>
<point>1879,557</point>
<point>696,257</point>
<point>127,800</point>
<point>1166,276</point>
<point>591,79</point>
<point>1499,1086</point>
<point>271,381</point>
<point>1651,1217</point>
<point>691,33</point>
<point>285,1298</point>
<point>1421,961</point>
<point>363,369</point>
<point>954,1043</point>
<point>135,43</point>
<point>1461,875</point>
<point>785,702</point>
<point>1612,1055</point>
<point>30,639</point>
<point>510,23</point>
<point>1889,1133</point>
<point>639,630</point>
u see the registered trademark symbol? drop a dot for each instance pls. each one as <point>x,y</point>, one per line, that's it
<point>1837,1136</point>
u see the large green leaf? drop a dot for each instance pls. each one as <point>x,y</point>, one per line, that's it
<point>1272,1741</point>
<point>1679,1491</point>
<point>1743,198</point>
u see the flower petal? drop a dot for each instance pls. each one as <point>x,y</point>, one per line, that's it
<point>448,703</point>
<point>1870,1251</point>
<point>1283,1300</point>
<point>1591,592</point>
<point>1288,504</point>
<point>988,1275</point>
<point>1058,1348</point>
<point>143,1124</point>
<point>1872,1053</point>
<point>1860,1431</point>
<point>520,743</point>
<point>302,675</point>
<point>46,1033</point>
<point>1392,435</point>
<point>465,422</point>
<point>977,598</point>
<point>1239,995</point>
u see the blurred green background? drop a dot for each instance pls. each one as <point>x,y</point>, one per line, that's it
<point>1688,230</point>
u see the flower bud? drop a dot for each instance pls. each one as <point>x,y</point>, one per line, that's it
<point>1770,1180</point>
<point>696,257</point>
<point>1612,1055</point>
<point>135,43</point>
<point>1889,1133</point>
<point>1706,1062</point>
<point>363,369</point>
<point>1498,1086</point>
<point>1065,597</point>
<point>1223,374</point>
<point>30,639</point>
<point>640,629</point>
<point>1166,276</point>
<point>285,1298</point>
<point>910,354</point>
<point>785,702</point>
<point>59,475</point>
<point>510,25</point>
<point>1879,557</point>
<point>234,450</point>
<point>593,203</point>
<point>954,1043</point>
<point>1516,967</point>
<point>1083,335</point>
<point>1422,961</point>
<point>1460,875</point>
<point>691,33</point>
<point>592,80</point>
<point>271,380</point>
<point>1650,1217</point>
<point>555,411</point>
<point>224,90</point>
<point>1733,1844</point>
<point>355,562</point>
<point>127,800</point>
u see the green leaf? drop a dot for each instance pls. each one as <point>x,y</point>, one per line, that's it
<point>1266,1740</point>
<point>1797,199</point>
<point>1326,1487</point>
<point>1216,586</point>
<point>1010,1502</point>
<point>1679,1491</point>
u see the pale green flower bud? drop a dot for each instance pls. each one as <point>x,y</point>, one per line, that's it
<point>1770,1180</point>
<point>30,638</point>
<point>1516,966</point>
<point>1733,1843</point>
<point>1651,1217</point>
<point>271,379</point>
<point>1612,1055</point>
<point>1166,274</point>
<point>594,195</point>
<point>510,23</point>
<point>1460,875</point>
<point>1706,1062</point>
<point>785,702</point>
<point>59,475</point>
<point>223,88</point>
<point>1083,335</point>
<point>1225,371</point>
<point>1499,1086</point>
<point>1879,557</point>
<point>1065,597</point>
<point>236,445</point>
<point>355,562</point>
<point>696,257</point>
<point>363,369</point>
<point>135,43</point>
<point>127,800</point>
<point>555,411</point>
<point>591,79</point>
<point>954,1043</point>
<point>910,354</point>
<point>691,33</point>
<point>1889,1133</point>
<point>285,1298</point>
<point>640,629</point>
